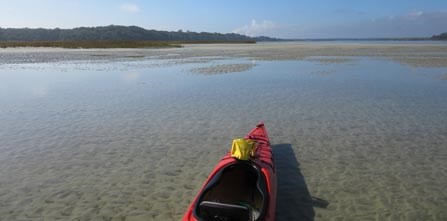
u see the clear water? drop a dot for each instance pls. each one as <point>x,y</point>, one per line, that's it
<point>135,140</point>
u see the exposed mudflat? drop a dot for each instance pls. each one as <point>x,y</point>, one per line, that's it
<point>222,69</point>
<point>421,55</point>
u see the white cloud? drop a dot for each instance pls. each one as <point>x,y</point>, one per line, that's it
<point>130,8</point>
<point>415,13</point>
<point>256,29</point>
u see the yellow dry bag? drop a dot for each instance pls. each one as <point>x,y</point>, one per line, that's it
<point>242,149</point>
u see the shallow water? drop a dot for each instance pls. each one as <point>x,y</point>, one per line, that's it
<point>134,140</point>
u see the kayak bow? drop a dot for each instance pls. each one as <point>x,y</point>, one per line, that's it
<point>238,189</point>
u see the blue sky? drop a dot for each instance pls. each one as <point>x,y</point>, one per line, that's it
<point>280,18</point>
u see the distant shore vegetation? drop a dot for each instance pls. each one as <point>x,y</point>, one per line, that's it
<point>442,36</point>
<point>112,36</point>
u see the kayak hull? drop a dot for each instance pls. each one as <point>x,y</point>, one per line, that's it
<point>262,160</point>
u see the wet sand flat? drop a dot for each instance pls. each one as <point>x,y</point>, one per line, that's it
<point>132,134</point>
<point>425,55</point>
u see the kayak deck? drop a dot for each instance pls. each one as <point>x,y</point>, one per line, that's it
<point>239,189</point>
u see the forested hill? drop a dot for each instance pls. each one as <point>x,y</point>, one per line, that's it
<point>113,33</point>
<point>442,36</point>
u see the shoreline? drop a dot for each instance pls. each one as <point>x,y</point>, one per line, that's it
<point>110,44</point>
<point>91,44</point>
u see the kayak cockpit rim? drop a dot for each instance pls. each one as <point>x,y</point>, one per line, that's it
<point>237,184</point>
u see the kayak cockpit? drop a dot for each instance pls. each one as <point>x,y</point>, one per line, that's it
<point>236,192</point>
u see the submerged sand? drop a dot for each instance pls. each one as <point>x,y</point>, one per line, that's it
<point>373,148</point>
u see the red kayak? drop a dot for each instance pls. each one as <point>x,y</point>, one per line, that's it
<point>236,189</point>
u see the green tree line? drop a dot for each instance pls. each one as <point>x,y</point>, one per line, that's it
<point>442,36</point>
<point>114,33</point>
